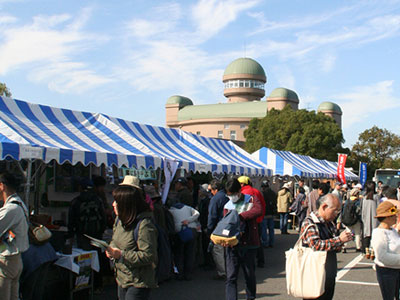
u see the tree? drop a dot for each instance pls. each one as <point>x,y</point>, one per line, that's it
<point>379,148</point>
<point>301,131</point>
<point>4,91</point>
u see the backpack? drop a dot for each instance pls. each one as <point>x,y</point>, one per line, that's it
<point>227,232</point>
<point>164,253</point>
<point>90,214</point>
<point>169,221</point>
<point>350,214</point>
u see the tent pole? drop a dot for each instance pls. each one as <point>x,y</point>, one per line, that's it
<point>28,182</point>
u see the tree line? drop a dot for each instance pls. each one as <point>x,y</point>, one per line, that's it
<point>317,135</point>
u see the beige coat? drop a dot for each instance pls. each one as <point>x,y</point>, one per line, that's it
<point>284,200</point>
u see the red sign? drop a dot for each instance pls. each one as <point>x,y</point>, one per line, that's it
<point>340,168</point>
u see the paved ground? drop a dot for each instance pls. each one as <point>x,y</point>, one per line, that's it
<point>356,279</point>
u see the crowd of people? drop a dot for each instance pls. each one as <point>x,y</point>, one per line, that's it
<point>154,241</point>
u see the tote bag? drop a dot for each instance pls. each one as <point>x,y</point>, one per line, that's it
<point>186,234</point>
<point>305,270</point>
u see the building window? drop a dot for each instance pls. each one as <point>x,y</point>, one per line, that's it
<point>242,126</point>
<point>198,132</point>
<point>255,84</point>
<point>226,126</point>
<point>220,134</point>
<point>233,135</point>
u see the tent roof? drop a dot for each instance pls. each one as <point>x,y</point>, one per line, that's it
<point>37,131</point>
<point>288,163</point>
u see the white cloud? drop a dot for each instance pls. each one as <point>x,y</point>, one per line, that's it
<point>364,101</point>
<point>328,62</point>
<point>160,46</point>
<point>167,66</point>
<point>75,79</point>
<point>5,19</point>
<point>344,28</point>
<point>284,76</point>
<point>48,46</point>
<point>211,16</point>
<point>266,25</point>
<point>158,23</point>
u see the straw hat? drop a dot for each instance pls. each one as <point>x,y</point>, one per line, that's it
<point>386,209</point>
<point>131,180</point>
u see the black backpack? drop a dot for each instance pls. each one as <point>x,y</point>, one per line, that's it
<point>165,262</point>
<point>169,221</point>
<point>350,214</point>
<point>90,214</point>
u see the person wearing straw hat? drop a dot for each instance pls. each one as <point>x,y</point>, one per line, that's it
<point>386,244</point>
<point>131,181</point>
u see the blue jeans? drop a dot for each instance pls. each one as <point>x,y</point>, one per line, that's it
<point>283,218</point>
<point>133,293</point>
<point>234,259</point>
<point>270,226</point>
<point>388,280</point>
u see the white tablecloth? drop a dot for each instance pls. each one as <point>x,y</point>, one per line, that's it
<point>67,260</point>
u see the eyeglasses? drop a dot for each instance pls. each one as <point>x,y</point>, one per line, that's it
<point>337,211</point>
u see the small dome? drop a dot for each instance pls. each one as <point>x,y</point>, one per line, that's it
<point>329,106</point>
<point>284,93</point>
<point>182,101</point>
<point>244,66</point>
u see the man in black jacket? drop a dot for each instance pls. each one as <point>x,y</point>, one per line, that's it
<point>215,214</point>
<point>270,211</point>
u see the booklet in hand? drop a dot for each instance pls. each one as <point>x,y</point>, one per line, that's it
<point>97,243</point>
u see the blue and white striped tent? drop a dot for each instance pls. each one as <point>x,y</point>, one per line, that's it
<point>347,173</point>
<point>37,131</point>
<point>288,163</point>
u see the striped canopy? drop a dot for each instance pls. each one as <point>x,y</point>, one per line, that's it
<point>37,131</point>
<point>288,163</point>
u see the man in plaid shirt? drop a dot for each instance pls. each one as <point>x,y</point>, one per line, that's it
<point>323,237</point>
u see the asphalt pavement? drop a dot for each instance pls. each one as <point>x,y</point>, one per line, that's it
<point>356,279</point>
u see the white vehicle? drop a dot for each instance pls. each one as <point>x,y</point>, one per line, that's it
<point>389,177</point>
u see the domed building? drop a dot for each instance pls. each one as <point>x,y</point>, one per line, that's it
<point>333,110</point>
<point>244,81</point>
<point>280,97</point>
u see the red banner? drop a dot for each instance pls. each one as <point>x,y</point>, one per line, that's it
<point>340,168</point>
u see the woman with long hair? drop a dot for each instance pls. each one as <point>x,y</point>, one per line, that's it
<point>135,260</point>
<point>386,243</point>
<point>368,213</point>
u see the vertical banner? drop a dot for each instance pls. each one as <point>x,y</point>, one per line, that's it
<point>170,167</point>
<point>340,168</point>
<point>363,173</point>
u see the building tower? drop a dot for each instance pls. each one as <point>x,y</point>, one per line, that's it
<point>333,110</point>
<point>244,81</point>
<point>172,107</point>
<point>280,97</point>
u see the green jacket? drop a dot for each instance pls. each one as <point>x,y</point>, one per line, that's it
<point>137,265</point>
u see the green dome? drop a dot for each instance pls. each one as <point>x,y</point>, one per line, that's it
<point>182,101</point>
<point>329,106</point>
<point>284,93</point>
<point>244,66</point>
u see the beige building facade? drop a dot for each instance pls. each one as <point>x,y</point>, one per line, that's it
<point>244,81</point>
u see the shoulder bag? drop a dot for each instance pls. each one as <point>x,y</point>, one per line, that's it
<point>305,270</point>
<point>38,234</point>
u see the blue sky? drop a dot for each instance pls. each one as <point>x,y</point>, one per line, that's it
<point>125,58</point>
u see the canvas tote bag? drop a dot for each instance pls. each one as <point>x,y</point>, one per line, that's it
<point>305,270</point>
